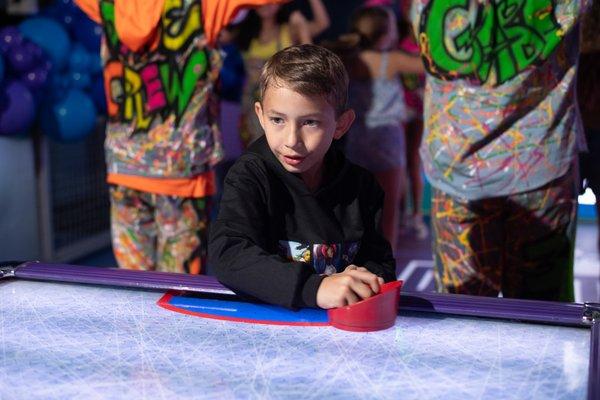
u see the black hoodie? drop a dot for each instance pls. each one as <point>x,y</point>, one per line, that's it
<point>274,239</point>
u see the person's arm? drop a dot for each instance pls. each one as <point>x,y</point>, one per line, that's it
<point>238,247</point>
<point>403,63</point>
<point>217,14</point>
<point>299,29</point>
<point>375,253</point>
<point>320,20</point>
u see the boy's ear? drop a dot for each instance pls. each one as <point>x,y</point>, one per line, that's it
<point>343,123</point>
<point>259,113</point>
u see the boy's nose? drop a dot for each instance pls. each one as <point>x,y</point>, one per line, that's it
<point>293,136</point>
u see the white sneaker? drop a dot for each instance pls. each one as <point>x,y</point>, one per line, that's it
<point>421,230</point>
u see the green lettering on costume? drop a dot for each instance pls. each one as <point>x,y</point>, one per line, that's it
<point>180,86</point>
<point>107,11</point>
<point>468,39</point>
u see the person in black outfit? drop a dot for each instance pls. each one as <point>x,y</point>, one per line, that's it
<point>298,224</point>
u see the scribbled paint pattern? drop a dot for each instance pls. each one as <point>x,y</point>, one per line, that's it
<point>521,245</point>
<point>159,232</point>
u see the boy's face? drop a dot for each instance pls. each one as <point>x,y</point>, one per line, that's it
<point>300,129</point>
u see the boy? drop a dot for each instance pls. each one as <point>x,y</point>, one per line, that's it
<point>298,224</point>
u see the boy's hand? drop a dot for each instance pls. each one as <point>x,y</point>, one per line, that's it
<point>348,287</point>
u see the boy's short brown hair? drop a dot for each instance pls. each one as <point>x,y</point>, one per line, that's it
<point>309,70</point>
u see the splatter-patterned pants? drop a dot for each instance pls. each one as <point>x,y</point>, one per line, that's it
<point>159,232</point>
<point>521,245</point>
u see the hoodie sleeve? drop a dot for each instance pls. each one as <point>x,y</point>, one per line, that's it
<point>238,248</point>
<point>375,253</point>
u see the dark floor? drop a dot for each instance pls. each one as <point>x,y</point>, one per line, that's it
<point>415,264</point>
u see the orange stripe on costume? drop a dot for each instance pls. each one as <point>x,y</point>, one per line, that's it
<point>195,266</point>
<point>200,186</point>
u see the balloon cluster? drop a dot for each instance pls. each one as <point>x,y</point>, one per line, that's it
<point>50,72</point>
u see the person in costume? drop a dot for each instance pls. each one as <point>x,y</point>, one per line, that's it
<point>162,141</point>
<point>502,133</point>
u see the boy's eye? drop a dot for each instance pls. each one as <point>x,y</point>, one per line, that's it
<point>276,120</point>
<point>311,122</point>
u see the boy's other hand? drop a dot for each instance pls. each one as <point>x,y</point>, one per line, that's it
<point>348,287</point>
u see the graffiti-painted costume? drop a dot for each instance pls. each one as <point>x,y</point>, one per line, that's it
<point>161,137</point>
<point>168,232</point>
<point>520,244</point>
<point>275,240</point>
<point>500,119</point>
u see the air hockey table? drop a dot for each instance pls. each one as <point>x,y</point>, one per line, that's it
<point>102,333</point>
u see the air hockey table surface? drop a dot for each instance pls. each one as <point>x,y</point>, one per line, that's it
<point>65,340</point>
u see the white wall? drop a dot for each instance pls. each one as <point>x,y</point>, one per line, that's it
<point>18,201</point>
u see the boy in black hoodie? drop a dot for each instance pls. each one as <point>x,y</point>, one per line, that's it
<point>298,224</point>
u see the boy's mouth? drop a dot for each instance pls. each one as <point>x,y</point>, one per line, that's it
<point>293,160</point>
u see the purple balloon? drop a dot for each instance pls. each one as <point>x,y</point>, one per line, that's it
<point>35,79</point>
<point>35,50</point>
<point>20,59</point>
<point>17,109</point>
<point>47,65</point>
<point>9,37</point>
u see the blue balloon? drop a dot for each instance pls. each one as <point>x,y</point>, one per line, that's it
<point>63,11</point>
<point>79,60</point>
<point>17,109</point>
<point>50,36</point>
<point>70,119</point>
<point>79,80</point>
<point>59,85</point>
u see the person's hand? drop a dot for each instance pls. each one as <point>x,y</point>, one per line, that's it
<point>348,287</point>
